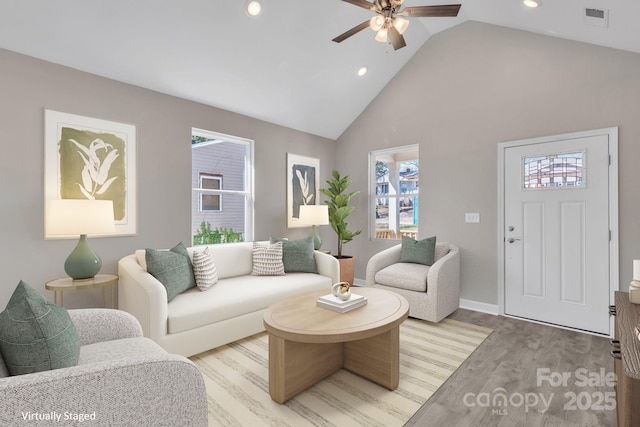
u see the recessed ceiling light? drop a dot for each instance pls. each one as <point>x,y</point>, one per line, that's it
<point>532,3</point>
<point>254,7</point>
<point>362,71</point>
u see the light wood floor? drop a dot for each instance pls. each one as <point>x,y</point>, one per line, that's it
<point>509,359</point>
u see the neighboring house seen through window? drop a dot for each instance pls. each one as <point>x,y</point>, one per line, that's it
<point>222,176</point>
<point>394,192</point>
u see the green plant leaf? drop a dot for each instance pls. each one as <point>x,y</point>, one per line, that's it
<point>339,208</point>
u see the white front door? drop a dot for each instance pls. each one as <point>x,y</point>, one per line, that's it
<point>556,236</point>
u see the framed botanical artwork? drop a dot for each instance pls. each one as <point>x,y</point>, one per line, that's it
<point>303,180</point>
<point>88,158</point>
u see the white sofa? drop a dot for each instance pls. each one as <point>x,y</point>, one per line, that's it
<point>196,321</point>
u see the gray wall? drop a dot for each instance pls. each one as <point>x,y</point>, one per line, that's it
<point>468,89</point>
<point>28,86</point>
<point>465,91</point>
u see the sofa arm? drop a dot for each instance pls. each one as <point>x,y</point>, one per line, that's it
<point>328,265</point>
<point>445,272</point>
<point>142,295</point>
<point>381,260</point>
<point>159,390</point>
<point>443,282</point>
<point>96,325</point>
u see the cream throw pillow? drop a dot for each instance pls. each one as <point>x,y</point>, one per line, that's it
<point>204,268</point>
<point>267,259</point>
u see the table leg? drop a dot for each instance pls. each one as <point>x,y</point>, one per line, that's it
<point>295,366</point>
<point>376,359</point>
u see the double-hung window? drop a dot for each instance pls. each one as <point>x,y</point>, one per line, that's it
<point>222,188</point>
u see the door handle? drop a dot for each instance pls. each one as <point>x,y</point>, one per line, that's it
<point>511,240</point>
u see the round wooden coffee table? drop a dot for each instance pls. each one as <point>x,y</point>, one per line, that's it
<point>308,343</point>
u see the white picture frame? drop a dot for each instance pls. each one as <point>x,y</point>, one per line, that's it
<point>303,186</point>
<point>86,158</point>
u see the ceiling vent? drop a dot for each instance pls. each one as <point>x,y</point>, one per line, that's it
<point>596,17</point>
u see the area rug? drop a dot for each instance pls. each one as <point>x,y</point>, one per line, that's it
<point>236,376</point>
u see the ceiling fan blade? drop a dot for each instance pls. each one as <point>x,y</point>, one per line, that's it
<point>351,32</point>
<point>397,39</point>
<point>362,3</point>
<point>442,10</point>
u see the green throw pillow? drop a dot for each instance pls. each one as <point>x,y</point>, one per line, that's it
<point>172,268</point>
<point>35,334</point>
<point>298,255</point>
<point>418,251</point>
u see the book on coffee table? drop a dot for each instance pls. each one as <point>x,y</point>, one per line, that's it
<point>334,303</point>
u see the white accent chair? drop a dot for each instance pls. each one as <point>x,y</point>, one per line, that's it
<point>433,291</point>
<point>121,379</point>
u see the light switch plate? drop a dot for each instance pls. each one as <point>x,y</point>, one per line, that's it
<point>472,217</point>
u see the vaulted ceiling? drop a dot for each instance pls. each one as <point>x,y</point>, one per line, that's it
<point>280,66</point>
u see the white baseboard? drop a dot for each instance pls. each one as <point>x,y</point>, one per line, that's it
<point>482,307</point>
<point>468,304</point>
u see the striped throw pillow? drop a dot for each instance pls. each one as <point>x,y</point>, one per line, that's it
<point>204,268</point>
<point>267,259</point>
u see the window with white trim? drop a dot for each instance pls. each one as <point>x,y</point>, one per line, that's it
<point>222,176</point>
<point>394,192</point>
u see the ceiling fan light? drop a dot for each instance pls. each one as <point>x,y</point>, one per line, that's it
<point>376,22</point>
<point>381,35</point>
<point>532,3</point>
<point>401,24</point>
<point>254,7</point>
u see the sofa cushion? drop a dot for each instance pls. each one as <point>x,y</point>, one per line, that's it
<point>172,268</point>
<point>35,334</point>
<point>232,259</point>
<point>297,255</point>
<point>418,251</point>
<point>204,269</point>
<point>267,259</point>
<point>404,275</point>
<point>238,296</point>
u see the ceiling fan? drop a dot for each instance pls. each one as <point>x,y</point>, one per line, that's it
<point>389,24</point>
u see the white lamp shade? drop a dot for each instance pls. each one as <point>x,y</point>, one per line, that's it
<point>401,24</point>
<point>314,214</point>
<point>376,22</point>
<point>76,217</point>
<point>381,35</point>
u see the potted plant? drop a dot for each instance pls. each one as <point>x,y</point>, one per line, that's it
<point>339,210</point>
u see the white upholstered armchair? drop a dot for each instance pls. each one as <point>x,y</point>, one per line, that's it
<point>121,379</point>
<point>433,291</point>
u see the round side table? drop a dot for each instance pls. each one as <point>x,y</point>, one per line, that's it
<point>68,284</point>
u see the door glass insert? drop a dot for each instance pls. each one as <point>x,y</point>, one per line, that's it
<point>554,171</point>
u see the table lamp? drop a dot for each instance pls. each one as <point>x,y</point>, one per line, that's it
<point>83,217</point>
<point>314,215</point>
